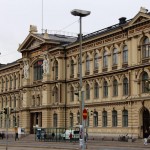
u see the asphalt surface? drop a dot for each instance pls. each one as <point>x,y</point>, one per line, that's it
<point>25,144</point>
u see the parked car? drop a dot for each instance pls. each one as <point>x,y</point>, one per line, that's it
<point>65,135</point>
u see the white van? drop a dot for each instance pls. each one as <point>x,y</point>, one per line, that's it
<point>75,134</point>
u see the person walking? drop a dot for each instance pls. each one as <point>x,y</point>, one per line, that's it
<point>70,136</point>
<point>146,135</point>
<point>16,136</point>
<point>53,136</point>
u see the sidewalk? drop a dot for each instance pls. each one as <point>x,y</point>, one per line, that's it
<point>138,143</point>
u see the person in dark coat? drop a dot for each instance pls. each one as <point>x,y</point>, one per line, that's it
<point>146,135</point>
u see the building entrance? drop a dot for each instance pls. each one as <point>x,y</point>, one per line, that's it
<point>35,121</point>
<point>146,121</point>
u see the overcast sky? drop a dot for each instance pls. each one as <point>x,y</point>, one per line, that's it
<point>17,15</point>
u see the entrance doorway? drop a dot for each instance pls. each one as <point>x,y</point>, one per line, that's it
<point>35,121</point>
<point>146,121</point>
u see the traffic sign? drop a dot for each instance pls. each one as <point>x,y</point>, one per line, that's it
<point>84,114</point>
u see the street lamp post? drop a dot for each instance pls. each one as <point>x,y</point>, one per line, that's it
<point>81,13</point>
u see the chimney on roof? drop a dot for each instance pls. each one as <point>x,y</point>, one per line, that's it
<point>143,10</point>
<point>122,20</point>
<point>46,35</point>
<point>33,29</point>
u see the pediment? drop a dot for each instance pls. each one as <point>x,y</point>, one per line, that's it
<point>139,18</point>
<point>31,41</point>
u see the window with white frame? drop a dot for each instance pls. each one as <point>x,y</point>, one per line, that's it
<point>146,48</point>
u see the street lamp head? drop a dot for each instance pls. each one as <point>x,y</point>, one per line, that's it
<point>80,13</point>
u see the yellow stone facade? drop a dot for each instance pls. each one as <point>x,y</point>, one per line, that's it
<point>50,101</point>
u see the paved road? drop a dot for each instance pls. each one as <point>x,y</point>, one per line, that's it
<point>92,145</point>
<point>100,148</point>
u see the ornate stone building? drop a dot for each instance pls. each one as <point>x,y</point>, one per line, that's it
<point>115,65</point>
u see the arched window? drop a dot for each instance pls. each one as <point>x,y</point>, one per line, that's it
<point>115,56</point>
<point>125,86</point>
<point>96,62</point>
<point>55,94</point>
<point>115,88</point>
<point>114,118</point>
<point>38,70</point>
<point>11,82</point>
<point>6,102</point>
<point>55,120</point>
<point>105,89</point>
<point>72,94</point>
<point>71,119</point>
<point>95,118</point>
<point>10,102</point>
<point>96,90</point>
<point>146,48</point>
<point>71,67</point>
<point>125,54</point>
<point>56,69</point>
<point>104,121</point>
<point>105,59</point>
<point>3,84</point>
<point>87,91</point>
<point>87,63</point>
<point>15,81</point>
<point>7,84</point>
<point>124,118</point>
<point>144,79</point>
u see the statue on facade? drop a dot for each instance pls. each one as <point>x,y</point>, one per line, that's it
<point>26,70</point>
<point>46,65</point>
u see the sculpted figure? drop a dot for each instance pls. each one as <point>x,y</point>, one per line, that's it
<point>26,70</point>
<point>46,65</point>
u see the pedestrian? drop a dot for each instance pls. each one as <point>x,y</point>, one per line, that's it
<point>146,135</point>
<point>70,136</point>
<point>45,136</point>
<point>53,135</point>
<point>16,136</point>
